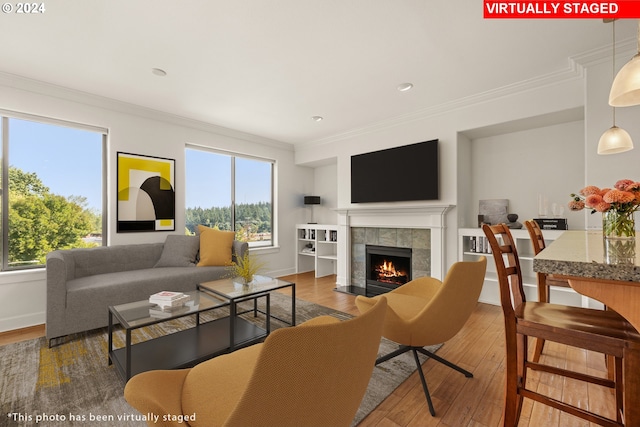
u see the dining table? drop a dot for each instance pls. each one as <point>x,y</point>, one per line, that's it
<point>607,270</point>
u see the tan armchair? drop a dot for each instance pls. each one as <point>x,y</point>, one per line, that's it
<point>426,311</point>
<point>314,374</point>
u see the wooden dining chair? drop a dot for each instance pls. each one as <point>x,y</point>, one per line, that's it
<point>545,281</point>
<point>595,330</point>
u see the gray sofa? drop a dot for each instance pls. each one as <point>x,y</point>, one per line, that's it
<point>82,283</point>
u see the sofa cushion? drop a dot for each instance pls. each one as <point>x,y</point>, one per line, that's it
<point>179,251</point>
<point>95,293</point>
<point>215,246</point>
<point>109,259</point>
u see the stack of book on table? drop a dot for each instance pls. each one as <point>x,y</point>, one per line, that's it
<point>167,303</point>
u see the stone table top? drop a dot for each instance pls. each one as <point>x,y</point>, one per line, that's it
<point>588,254</point>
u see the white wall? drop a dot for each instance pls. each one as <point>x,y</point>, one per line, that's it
<point>140,131</point>
<point>604,171</point>
<point>325,180</point>
<point>520,165</point>
<point>563,94</point>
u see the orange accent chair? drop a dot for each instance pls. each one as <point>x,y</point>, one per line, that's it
<point>314,374</point>
<point>426,311</point>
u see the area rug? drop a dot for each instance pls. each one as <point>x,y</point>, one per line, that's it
<point>73,385</point>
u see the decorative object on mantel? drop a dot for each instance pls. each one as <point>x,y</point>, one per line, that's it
<point>310,201</point>
<point>543,206</point>
<point>552,223</point>
<point>513,221</point>
<point>614,140</point>
<point>494,211</point>
<point>617,206</point>
<point>625,90</point>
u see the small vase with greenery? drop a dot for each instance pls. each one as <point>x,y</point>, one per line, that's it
<point>246,267</point>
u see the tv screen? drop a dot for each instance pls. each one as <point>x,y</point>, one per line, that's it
<point>405,173</point>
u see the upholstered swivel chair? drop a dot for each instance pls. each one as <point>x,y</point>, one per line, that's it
<point>314,374</point>
<point>426,311</point>
<point>545,281</point>
<point>595,330</point>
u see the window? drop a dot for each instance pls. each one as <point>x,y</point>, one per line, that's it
<point>52,188</point>
<point>231,193</point>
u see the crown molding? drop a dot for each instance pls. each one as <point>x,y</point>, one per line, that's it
<point>86,98</point>
<point>572,72</point>
<point>624,49</point>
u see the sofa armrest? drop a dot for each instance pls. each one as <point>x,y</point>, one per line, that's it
<point>238,249</point>
<point>57,275</point>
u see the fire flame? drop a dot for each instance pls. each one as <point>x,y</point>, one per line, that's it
<point>387,269</point>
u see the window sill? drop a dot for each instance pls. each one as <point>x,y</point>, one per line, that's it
<point>17,276</point>
<point>265,249</point>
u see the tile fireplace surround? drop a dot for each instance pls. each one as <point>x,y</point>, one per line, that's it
<point>408,224</point>
<point>418,239</point>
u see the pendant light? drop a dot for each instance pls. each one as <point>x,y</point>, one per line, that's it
<point>615,140</point>
<point>625,90</point>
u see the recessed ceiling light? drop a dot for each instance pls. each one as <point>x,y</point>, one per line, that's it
<point>159,72</point>
<point>317,118</point>
<point>405,87</point>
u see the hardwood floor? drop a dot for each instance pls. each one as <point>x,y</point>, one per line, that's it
<point>479,348</point>
<point>22,334</point>
<point>459,401</point>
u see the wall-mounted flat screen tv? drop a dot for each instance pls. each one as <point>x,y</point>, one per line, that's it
<point>406,173</point>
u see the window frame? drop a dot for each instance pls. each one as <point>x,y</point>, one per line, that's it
<point>233,155</point>
<point>5,116</point>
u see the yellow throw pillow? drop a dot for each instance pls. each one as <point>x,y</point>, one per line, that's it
<point>215,246</point>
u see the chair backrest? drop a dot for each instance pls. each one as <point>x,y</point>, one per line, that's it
<point>450,308</point>
<point>507,262</point>
<point>535,234</point>
<point>312,375</point>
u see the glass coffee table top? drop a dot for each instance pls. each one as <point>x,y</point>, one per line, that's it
<point>230,288</point>
<point>142,313</point>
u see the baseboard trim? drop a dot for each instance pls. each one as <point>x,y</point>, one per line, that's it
<point>21,322</point>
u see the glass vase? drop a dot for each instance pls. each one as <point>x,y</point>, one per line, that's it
<point>618,225</point>
<point>620,251</point>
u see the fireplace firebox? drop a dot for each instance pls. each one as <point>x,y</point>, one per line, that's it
<point>386,268</point>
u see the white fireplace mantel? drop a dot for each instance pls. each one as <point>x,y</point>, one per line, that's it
<point>430,216</point>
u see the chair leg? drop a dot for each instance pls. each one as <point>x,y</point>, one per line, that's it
<point>444,362</point>
<point>619,391</point>
<point>537,351</point>
<point>512,399</point>
<point>424,382</point>
<point>543,296</point>
<point>402,349</point>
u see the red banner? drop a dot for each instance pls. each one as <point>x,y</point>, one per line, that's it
<point>561,9</point>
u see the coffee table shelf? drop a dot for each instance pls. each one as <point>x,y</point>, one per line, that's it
<point>191,346</point>
<point>186,348</point>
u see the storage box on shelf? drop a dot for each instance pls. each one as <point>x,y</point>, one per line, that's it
<point>470,247</point>
<point>316,248</point>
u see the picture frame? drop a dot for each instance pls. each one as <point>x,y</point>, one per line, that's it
<point>145,193</point>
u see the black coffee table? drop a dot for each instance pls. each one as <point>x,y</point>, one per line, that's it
<point>233,292</point>
<point>181,349</point>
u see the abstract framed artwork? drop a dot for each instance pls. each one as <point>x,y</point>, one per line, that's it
<point>146,193</point>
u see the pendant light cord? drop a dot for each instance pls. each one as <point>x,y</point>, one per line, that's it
<point>613,62</point>
<point>637,41</point>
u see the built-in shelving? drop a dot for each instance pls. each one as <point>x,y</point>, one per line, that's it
<point>470,247</point>
<point>317,248</point>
